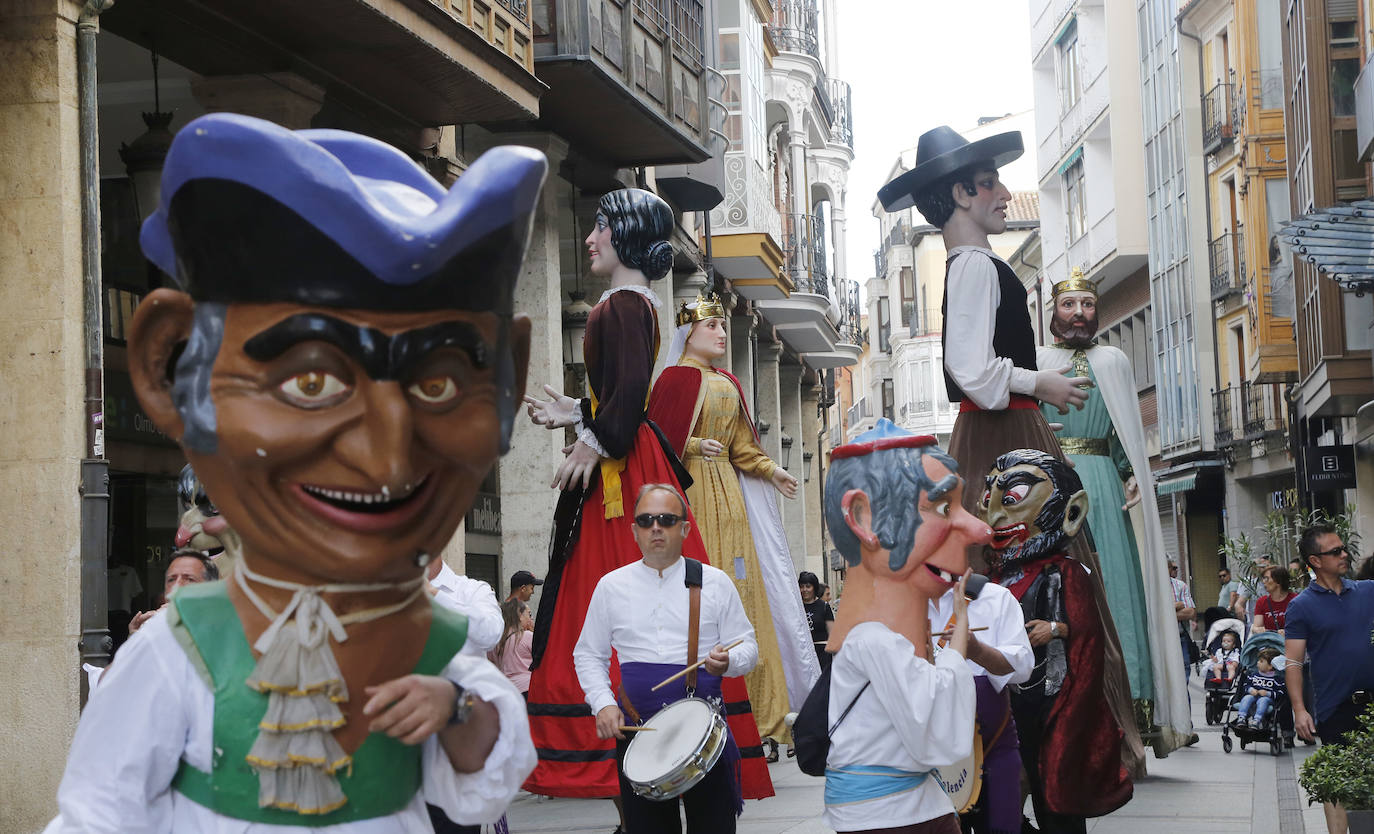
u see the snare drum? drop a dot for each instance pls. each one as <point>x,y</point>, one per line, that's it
<point>686,741</point>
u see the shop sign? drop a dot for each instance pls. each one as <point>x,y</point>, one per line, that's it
<point>1330,467</point>
<point>124,417</point>
<point>485,515</point>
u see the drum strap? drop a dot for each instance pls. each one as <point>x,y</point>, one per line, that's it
<point>692,578</point>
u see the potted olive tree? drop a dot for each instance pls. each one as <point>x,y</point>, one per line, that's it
<point>1343,775</point>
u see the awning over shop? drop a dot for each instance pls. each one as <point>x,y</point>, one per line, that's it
<point>1179,483</point>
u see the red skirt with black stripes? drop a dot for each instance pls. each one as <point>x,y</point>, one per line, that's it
<point>572,760</point>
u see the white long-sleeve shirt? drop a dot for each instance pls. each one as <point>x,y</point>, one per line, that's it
<point>152,710</point>
<point>999,612</point>
<point>642,614</point>
<point>915,716</point>
<point>972,293</point>
<point>477,601</point>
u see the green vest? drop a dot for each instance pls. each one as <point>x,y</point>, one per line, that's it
<point>385,773</point>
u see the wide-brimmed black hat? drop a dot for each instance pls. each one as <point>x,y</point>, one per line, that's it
<point>941,152</point>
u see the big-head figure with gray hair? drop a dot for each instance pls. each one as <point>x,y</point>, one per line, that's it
<point>340,363</point>
<point>892,503</point>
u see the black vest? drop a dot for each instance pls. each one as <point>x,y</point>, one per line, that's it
<point>1012,336</point>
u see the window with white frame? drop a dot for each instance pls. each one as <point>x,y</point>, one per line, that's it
<point>1068,67</point>
<point>1075,198</point>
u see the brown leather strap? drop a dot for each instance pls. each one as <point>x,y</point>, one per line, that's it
<point>693,580</point>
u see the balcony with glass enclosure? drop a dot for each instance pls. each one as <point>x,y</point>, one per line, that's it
<point>627,78</point>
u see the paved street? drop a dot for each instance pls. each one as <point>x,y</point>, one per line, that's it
<point>1196,790</point>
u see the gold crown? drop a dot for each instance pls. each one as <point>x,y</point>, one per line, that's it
<point>1076,283</point>
<point>709,307</point>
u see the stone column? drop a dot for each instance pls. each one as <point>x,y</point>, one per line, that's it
<point>767,402</point>
<point>801,202</point>
<point>810,493</point>
<point>281,97</point>
<point>527,502</point>
<point>743,334</point>
<point>793,510</point>
<point>801,196</point>
<point>43,436</point>
<point>837,232</point>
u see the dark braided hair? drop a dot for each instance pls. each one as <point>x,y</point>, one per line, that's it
<point>641,224</point>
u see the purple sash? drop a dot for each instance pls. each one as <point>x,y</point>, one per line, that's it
<point>637,681</point>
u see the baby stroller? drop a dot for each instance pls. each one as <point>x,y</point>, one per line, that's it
<point>1218,687</point>
<point>1269,729</point>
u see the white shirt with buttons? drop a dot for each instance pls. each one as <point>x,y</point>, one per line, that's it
<point>642,614</point>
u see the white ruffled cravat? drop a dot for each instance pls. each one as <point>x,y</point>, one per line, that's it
<point>295,754</point>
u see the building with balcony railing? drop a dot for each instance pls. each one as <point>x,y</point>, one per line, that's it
<point>1218,113</point>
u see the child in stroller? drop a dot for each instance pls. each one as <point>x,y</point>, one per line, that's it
<point>1260,699</point>
<point>1220,669</point>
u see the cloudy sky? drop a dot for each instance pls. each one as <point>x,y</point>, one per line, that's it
<point>914,65</point>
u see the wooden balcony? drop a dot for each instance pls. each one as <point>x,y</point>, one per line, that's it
<point>434,62</point>
<point>627,78</point>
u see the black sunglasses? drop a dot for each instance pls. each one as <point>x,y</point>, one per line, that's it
<point>1335,551</point>
<point>665,520</point>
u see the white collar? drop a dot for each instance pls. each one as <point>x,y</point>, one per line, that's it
<point>675,568</point>
<point>642,290</point>
<point>447,578</point>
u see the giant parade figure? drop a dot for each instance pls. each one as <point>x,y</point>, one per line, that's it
<point>897,712</point>
<point>1105,441</point>
<point>617,451</point>
<point>702,412</point>
<point>988,341</point>
<point>341,366</point>
<point>1070,741</point>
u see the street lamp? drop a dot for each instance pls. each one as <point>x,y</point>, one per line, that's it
<point>806,467</point>
<point>786,449</point>
<point>144,156</point>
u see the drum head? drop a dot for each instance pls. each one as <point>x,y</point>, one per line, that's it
<point>678,732</point>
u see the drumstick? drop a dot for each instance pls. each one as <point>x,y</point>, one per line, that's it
<point>637,729</point>
<point>667,681</point>
<point>951,631</point>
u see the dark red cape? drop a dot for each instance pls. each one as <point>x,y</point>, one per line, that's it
<point>673,402</point>
<point>1080,759</point>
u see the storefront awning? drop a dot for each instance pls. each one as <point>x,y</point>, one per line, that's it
<point>1180,483</point>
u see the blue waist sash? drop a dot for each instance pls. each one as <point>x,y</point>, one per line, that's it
<point>860,783</point>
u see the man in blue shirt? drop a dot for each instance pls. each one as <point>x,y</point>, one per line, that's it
<point>1331,622</point>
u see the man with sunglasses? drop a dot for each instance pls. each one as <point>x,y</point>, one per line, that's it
<point>642,611</point>
<point>1330,622</point>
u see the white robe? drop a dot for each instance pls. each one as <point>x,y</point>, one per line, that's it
<point>1116,384</point>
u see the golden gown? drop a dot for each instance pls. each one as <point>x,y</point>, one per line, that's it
<point>718,505</point>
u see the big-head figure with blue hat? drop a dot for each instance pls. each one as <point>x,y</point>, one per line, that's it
<point>340,364</point>
<point>892,503</point>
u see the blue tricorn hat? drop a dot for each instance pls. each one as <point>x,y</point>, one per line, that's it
<point>253,212</point>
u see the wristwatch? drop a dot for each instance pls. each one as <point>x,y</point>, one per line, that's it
<point>463,702</point>
<point>1054,629</point>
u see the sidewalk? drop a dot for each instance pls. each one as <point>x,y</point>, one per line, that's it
<point>1196,790</point>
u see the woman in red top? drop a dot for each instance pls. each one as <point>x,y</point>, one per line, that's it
<point>1271,610</point>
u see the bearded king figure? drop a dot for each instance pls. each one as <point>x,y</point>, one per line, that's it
<point>1105,440</point>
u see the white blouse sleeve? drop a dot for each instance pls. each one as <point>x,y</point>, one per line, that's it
<point>930,708</point>
<point>1008,636</point>
<point>971,298</point>
<point>474,798</point>
<point>129,741</point>
<point>485,622</point>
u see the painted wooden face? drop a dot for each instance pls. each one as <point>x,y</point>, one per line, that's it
<point>349,440</point>
<point>1030,516</point>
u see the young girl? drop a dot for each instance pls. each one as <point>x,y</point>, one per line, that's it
<point>1226,658</point>
<point>512,652</point>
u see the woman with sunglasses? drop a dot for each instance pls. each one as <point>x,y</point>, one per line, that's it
<point>701,410</point>
<point>617,451</point>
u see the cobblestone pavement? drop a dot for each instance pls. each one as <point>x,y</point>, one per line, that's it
<point>1197,790</point>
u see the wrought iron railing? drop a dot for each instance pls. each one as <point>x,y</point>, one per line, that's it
<point>802,234</point>
<point>1225,278</point>
<point>1217,128</point>
<point>861,409</point>
<point>842,128</point>
<point>795,27</point>
<point>1252,412</point>
<point>688,35</point>
<point>880,263</point>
